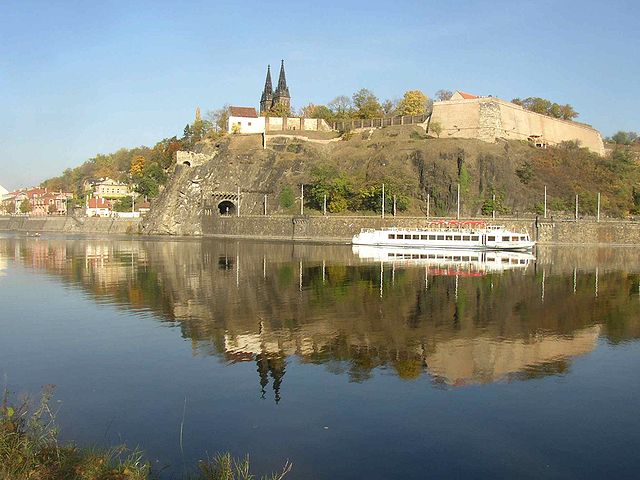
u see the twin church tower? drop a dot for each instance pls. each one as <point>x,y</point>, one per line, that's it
<point>271,99</point>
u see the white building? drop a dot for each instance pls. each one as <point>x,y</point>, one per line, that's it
<point>108,187</point>
<point>245,120</point>
<point>3,192</point>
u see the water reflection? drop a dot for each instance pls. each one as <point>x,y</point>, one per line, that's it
<point>456,319</point>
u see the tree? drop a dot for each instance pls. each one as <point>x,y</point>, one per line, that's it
<point>316,111</point>
<point>389,107</point>
<point>137,166</point>
<point>25,206</point>
<point>286,197</point>
<point>414,102</point>
<point>366,104</point>
<point>436,128</point>
<point>547,107</point>
<point>280,110</point>
<point>624,138</point>
<point>443,95</point>
<point>219,118</point>
<point>341,107</point>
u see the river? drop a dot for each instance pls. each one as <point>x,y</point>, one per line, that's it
<point>351,364</point>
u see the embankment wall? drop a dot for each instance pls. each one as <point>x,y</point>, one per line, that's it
<point>70,225</point>
<point>341,229</point>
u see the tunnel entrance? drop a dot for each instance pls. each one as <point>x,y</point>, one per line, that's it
<point>187,163</point>
<point>227,207</point>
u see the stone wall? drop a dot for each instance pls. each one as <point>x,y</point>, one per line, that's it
<point>70,225</point>
<point>342,229</point>
<point>490,118</point>
<point>296,123</point>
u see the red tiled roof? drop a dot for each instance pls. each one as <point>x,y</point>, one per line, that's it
<point>99,202</point>
<point>249,112</point>
<point>467,96</point>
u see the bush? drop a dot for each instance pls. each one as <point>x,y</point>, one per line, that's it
<point>286,198</point>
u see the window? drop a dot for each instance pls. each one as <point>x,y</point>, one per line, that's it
<point>416,237</point>
<point>514,239</point>
<point>475,238</point>
<point>400,236</point>
<point>448,237</point>
<point>392,236</point>
<point>491,238</point>
<point>505,239</point>
<point>432,237</point>
<point>440,237</point>
<point>423,237</point>
<point>466,238</point>
<point>249,123</point>
<point>457,238</point>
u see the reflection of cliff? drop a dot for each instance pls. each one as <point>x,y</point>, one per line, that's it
<point>484,359</point>
<point>265,303</point>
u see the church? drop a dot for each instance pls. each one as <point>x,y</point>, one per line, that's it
<point>270,100</point>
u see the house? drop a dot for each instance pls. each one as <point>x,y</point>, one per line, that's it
<point>98,207</point>
<point>107,187</point>
<point>244,120</point>
<point>458,95</point>
<point>41,202</point>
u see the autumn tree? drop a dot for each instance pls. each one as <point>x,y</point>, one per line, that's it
<point>137,166</point>
<point>366,104</point>
<point>219,118</point>
<point>414,102</point>
<point>444,95</point>
<point>316,111</point>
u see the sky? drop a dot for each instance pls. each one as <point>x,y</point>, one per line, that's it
<point>78,78</point>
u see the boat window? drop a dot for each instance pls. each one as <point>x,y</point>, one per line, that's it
<point>505,239</point>
<point>440,237</point>
<point>491,238</point>
<point>432,237</point>
<point>475,238</point>
<point>466,238</point>
<point>423,237</point>
<point>423,256</point>
<point>505,260</point>
<point>448,237</point>
<point>457,237</point>
<point>416,237</point>
<point>514,239</point>
<point>399,236</point>
<point>523,238</point>
<point>431,255</point>
<point>392,236</point>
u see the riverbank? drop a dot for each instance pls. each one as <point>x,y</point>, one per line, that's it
<point>30,449</point>
<point>335,229</point>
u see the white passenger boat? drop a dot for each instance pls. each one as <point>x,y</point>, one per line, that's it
<point>448,261</point>
<point>448,234</point>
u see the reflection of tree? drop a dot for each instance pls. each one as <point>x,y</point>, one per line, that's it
<point>218,290</point>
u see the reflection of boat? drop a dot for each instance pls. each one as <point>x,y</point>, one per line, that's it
<point>35,234</point>
<point>448,234</point>
<point>458,260</point>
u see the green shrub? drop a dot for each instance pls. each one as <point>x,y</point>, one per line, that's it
<point>286,198</point>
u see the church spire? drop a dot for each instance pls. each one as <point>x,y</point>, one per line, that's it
<point>267,94</point>
<point>282,90</point>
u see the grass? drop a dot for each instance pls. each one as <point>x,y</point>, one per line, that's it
<point>30,450</point>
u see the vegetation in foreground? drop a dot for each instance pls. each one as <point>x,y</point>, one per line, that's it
<point>30,450</point>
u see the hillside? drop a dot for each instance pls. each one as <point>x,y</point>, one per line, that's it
<point>412,166</point>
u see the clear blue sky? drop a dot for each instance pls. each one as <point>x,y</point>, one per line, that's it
<point>80,77</point>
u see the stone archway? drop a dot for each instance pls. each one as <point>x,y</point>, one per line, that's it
<point>227,207</point>
<point>186,163</point>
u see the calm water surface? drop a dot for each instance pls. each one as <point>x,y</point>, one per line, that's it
<point>351,364</point>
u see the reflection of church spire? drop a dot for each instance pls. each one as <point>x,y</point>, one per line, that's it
<point>263,372</point>
<point>273,365</point>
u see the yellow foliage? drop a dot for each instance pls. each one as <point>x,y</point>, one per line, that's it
<point>137,166</point>
<point>414,102</point>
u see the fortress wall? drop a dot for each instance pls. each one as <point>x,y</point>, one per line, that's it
<point>297,123</point>
<point>518,124</point>
<point>490,118</point>
<point>458,118</point>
